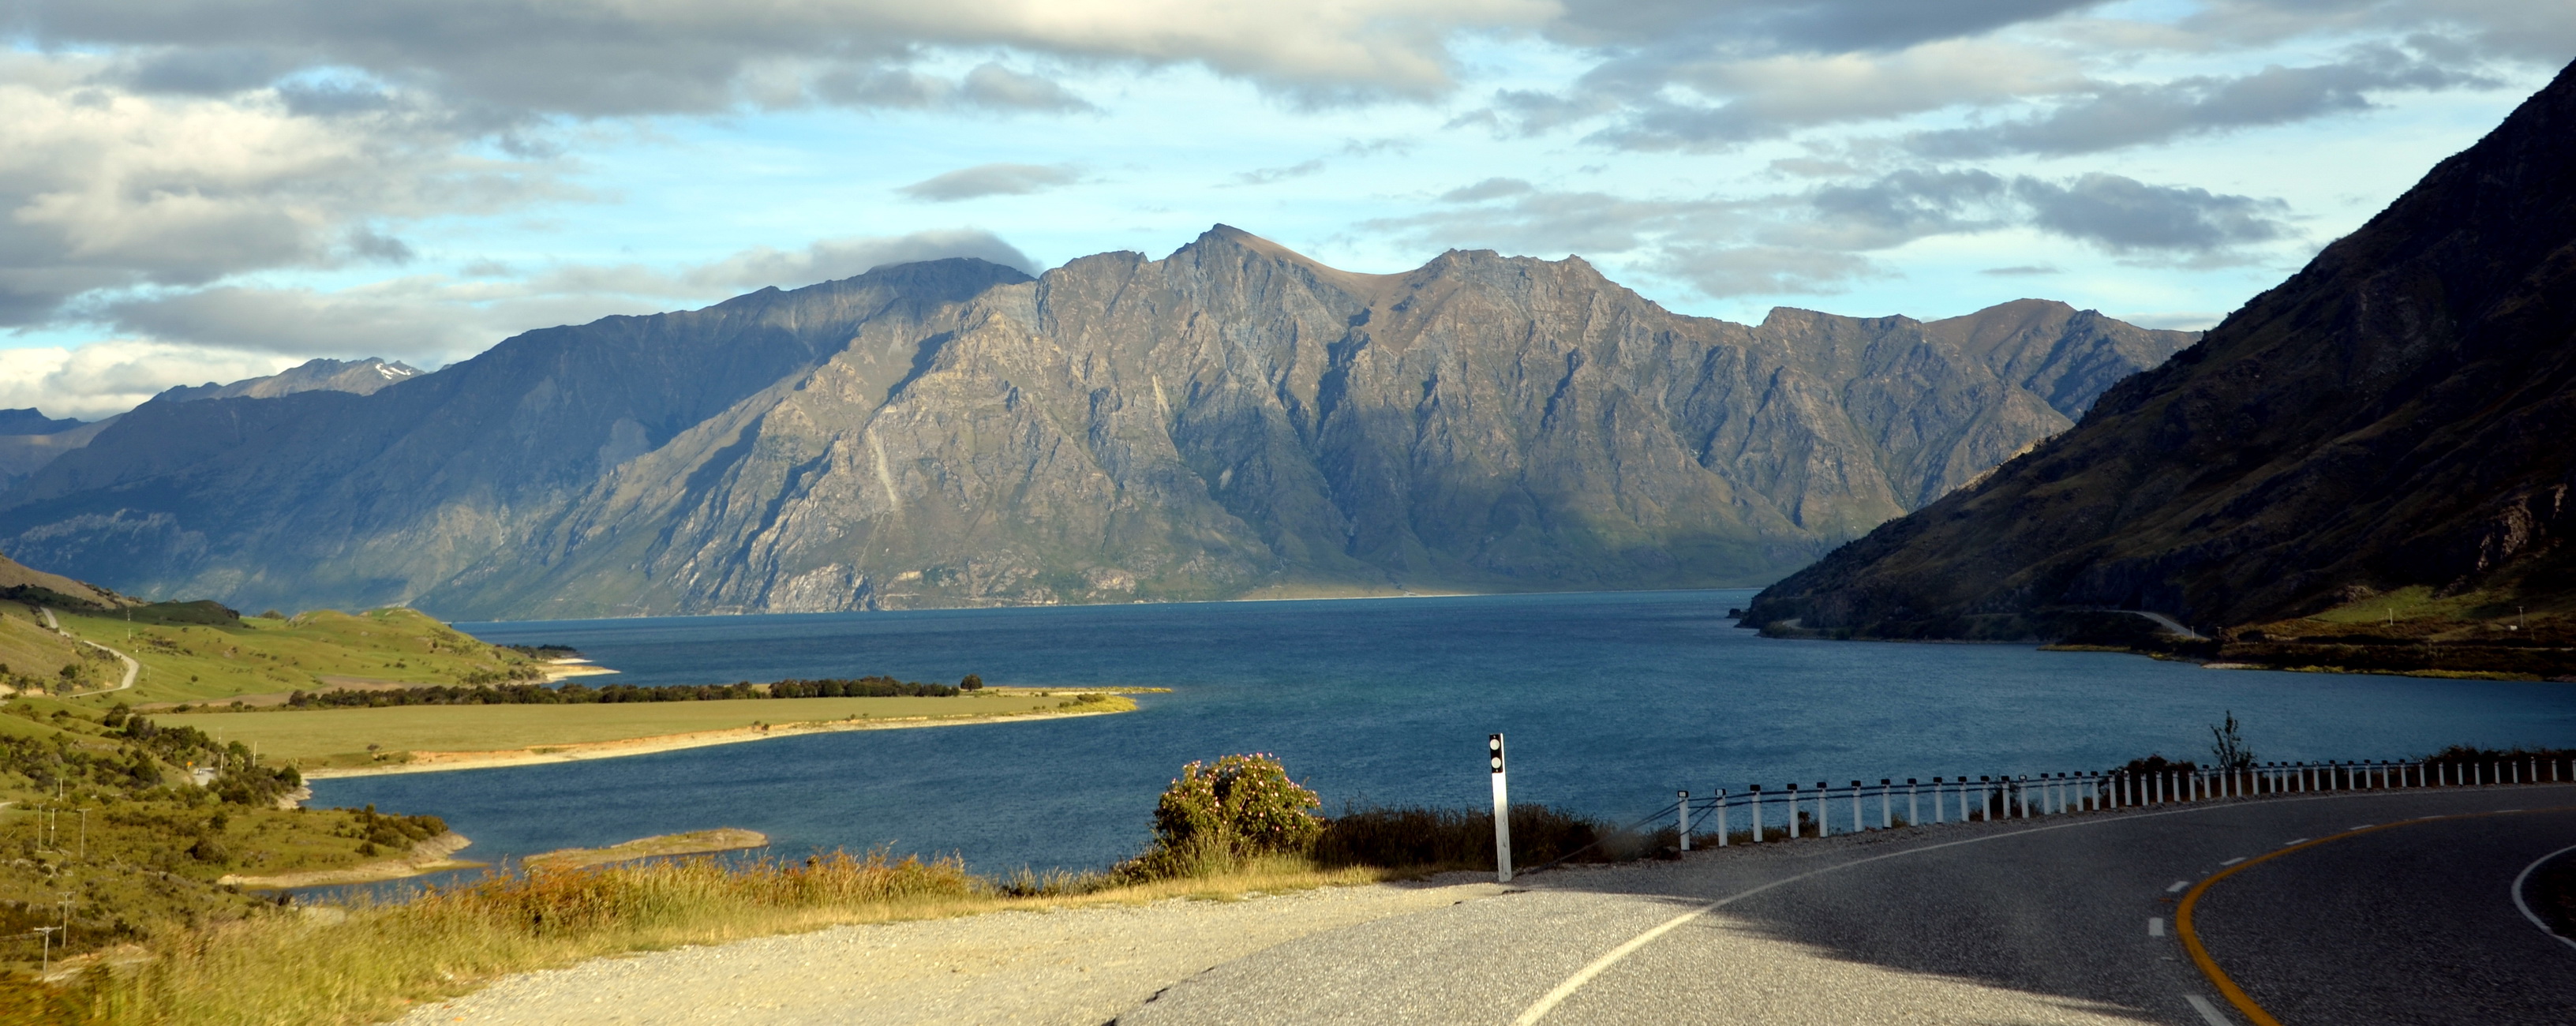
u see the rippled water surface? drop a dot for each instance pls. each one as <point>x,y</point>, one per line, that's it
<point>1612,702</point>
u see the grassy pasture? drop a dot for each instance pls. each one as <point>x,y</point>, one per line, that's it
<point>28,650</point>
<point>198,662</point>
<point>341,736</point>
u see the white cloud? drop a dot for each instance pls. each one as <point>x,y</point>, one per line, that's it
<point>598,58</point>
<point>982,180</point>
<point>101,189</point>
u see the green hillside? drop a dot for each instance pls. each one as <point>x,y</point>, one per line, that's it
<point>252,655</point>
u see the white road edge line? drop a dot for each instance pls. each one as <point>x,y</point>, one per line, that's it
<point>2178,886</point>
<point>2155,926</point>
<point>2208,1012</point>
<point>1548,1002</point>
<point>2518,903</point>
<point>2286,844</point>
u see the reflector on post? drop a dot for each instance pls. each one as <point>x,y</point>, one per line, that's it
<point>1502,810</point>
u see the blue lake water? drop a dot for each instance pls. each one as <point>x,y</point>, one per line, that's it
<point>1612,702</point>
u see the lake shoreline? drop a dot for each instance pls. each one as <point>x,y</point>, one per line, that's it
<point>441,762</point>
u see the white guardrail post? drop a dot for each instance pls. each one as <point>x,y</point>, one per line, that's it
<point>1913,803</point>
<point>1681,821</point>
<point>1756,791</point>
<point>1502,811</point>
<point>1721,817</point>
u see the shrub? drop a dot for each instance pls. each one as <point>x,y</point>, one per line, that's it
<point>1216,816</point>
<point>1421,838</point>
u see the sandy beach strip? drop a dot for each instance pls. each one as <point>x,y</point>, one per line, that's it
<point>436,762</point>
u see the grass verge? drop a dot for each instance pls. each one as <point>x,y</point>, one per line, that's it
<point>370,963</point>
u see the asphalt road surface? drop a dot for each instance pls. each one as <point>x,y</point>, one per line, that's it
<point>2070,919</point>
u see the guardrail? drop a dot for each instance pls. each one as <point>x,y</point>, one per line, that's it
<point>1757,816</point>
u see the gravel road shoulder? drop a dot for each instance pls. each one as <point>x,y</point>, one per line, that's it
<point>1071,966</point>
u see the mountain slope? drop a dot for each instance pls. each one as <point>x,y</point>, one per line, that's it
<point>2396,414</point>
<point>1234,419</point>
<point>363,377</point>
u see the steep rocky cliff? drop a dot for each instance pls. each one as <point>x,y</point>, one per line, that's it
<point>1232,420</point>
<point>2396,416</point>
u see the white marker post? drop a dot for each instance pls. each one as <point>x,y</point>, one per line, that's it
<point>1681,826</point>
<point>1721,817</point>
<point>1502,811</point>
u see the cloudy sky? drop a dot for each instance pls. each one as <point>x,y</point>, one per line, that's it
<point>211,190</point>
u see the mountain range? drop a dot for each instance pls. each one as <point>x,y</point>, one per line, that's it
<point>2376,450</point>
<point>29,439</point>
<point>1233,420</point>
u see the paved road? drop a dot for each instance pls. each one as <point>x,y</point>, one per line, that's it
<point>2412,923</point>
<point>2055,921</point>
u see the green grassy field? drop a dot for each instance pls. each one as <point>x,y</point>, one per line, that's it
<point>191,663</point>
<point>30,654</point>
<point>320,737</point>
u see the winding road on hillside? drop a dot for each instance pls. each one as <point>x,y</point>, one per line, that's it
<point>2073,920</point>
<point>2343,907</point>
<point>132,669</point>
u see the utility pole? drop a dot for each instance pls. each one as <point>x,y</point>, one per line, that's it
<point>46,962</point>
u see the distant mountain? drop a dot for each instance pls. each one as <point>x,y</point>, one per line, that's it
<point>2381,443</point>
<point>1232,420</point>
<point>362,377</point>
<point>33,421</point>
<point>29,440</point>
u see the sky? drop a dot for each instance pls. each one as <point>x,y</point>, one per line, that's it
<point>207,191</point>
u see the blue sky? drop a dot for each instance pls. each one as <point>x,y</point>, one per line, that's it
<point>214,190</point>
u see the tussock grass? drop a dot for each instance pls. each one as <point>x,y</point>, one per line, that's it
<point>367,963</point>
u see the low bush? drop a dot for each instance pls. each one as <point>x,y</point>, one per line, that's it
<point>1420,838</point>
<point>1213,817</point>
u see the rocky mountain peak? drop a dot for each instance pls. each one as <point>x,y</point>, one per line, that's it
<point>2393,415</point>
<point>1234,419</point>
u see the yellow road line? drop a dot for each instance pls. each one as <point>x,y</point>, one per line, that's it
<point>2227,987</point>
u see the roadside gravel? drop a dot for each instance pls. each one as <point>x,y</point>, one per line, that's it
<point>1072,966</point>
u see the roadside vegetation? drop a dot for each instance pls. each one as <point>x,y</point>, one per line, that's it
<point>1226,829</point>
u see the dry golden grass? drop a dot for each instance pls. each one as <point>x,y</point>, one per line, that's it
<point>357,964</point>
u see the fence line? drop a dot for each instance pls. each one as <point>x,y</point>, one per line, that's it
<point>1757,816</point>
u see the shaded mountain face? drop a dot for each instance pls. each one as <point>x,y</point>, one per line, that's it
<point>1233,420</point>
<point>2398,414</point>
<point>29,440</point>
<point>362,377</point>
<point>33,421</point>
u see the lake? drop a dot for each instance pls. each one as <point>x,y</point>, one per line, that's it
<point>1612,701</point>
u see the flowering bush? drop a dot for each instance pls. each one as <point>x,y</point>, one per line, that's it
<point>1241,807</point>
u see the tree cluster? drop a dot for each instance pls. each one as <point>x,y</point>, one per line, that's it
<point>578,694</point>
